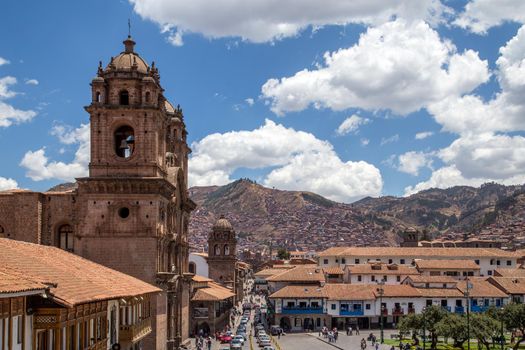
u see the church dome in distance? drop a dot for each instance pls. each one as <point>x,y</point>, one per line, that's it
<point>222,225</point>
<point>128,60</point>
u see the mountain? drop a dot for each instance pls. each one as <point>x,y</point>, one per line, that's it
<point>304,220</point>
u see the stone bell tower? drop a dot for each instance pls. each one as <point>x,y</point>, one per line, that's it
<point>134,203</point>
<point>222,253</point>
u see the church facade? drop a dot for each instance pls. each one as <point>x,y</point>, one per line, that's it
<point>131,212</point>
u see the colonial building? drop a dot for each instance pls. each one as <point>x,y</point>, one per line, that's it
<point>51,299</point>
<point>131,213</point>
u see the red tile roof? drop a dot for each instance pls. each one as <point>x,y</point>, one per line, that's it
<point>448,264</point>
<point>214,292</point>
<point>12,282</point>
<point>417,252</point>
<point>77,280</point>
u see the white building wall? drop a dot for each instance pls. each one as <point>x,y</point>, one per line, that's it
<point>201,265</point>
<point>28,332</point>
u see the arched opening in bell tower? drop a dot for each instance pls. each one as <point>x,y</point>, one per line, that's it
<point>124,98</point>
<point>124,141</point>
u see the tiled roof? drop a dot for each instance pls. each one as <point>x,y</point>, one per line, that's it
<point>510,285</point>
<point>481,288</point>
<point>213,292</point>
<point>14,282</point>
<point>333,270</point>
<point>204,255</point>
<point>449,264</point>
<point>268,272</point>
<point>299,274</point>
<point>509,273</point>
<point>417,252</point>
<point>198,278</point>
<point>439,292</point>
<point>397,290</point>
<point>432,279</point>
<point>77,280</point>
<point>342,291</point>
<point>299,292</point>
<point>384,269</point>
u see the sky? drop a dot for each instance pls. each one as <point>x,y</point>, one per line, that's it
<point>343,98</point>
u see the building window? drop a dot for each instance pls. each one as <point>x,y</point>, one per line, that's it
<point>217,250</point>
<point>509,263</point>
<point>65,238</point>
<point>226,250</point>
<point>325,261</point>
<point>390,261</point>
<point>124,141</point>
<point>98,97</point>
<point>356,261</point>
<point>333,306</point>
<point>492,261</point>
<point>192,268</point>
<point>476,261</point>
<point>398,278</point>
<point>359,278</point>
<point>489,272</point>
<point>19,329</point>
<point>498,262</point>
<point>337,261</point>
<point>148,96</point>
<point>297,322</point>
<point>373,278</point>
<point>367,306</point>
<point>124,98</point>
<point>2,232</point>
<point>385,278</point>
<point>343,261</point>
<point>123,212</point>
<point>402,261</point>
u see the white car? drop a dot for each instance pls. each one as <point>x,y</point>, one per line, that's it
<point>239,338</point>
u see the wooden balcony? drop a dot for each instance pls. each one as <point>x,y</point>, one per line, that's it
<point>136,332</point>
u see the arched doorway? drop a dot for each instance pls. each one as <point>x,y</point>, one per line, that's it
<point>285,324</point>
<point>203,327</point>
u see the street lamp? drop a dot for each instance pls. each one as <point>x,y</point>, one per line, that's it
<point>381,291</point>
<point>502,340</point>
<point>467,296</point>
<point>424,328</point>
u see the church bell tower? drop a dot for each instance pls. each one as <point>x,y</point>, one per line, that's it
<point>135,198</point>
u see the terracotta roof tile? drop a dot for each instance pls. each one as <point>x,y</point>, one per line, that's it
<point>214,292</point>
<point>432,279</point>
<point>341,291</point>
<point>333,270</point>
<point>449,264</point>
<point>14,282</point>
<point>78,280</point>
<point>299,274</point>
<point>510,285</point>
<point>509,273</point>
<point>299,292</point>
<point>481,288</point>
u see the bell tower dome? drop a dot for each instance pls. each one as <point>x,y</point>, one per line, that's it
<point>134,129</point>
<point>222,251</point>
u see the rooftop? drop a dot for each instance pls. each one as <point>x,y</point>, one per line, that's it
<point>416,252</point>
<point>77,280</point>
<point>448,264</point>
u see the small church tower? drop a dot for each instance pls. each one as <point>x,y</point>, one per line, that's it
<point>222,252</point>
<point>410,237</point>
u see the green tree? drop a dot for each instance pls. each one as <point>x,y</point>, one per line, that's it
<point>514,318</point>
<point>453,326</point>
<point>427,320</point>
<point>484,328</point>
<point>283,254</point>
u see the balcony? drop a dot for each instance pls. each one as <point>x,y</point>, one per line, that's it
<point>478,308</point>
<point>459,310</point>
<point>398,311</point>
<point>133,333</point>
<point>351,313</point>
<point>384,312</point>
<point>302,310</point>
<point>411,310</point>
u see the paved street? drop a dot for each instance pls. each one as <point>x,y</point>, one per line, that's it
<point>303,341</point>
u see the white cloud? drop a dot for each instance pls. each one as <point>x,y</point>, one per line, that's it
<point>7,184</point>
<point>423,135</point>
<point>249,101</point>
<point>481,15</point>
<point>504,112</point>
<point>412,162</point>
<point>391,139</point>
<point>476,159</point>
<point>9,115</point>
<point>32,82</point>
<point>175,38</point>
<point>268,20</point>
<point>39,167</point>
<point>299,161</point>
<point>398,66</point>
<point>3,61</point>
<point>364,142</point>
<point>351,124</point>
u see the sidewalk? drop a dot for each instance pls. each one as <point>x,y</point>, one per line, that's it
<point>349,342</point>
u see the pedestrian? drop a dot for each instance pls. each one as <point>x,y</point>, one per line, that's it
<point>357,330</point>
<point>377,346</point>
<point>349,330</point>
<point>209,343</point>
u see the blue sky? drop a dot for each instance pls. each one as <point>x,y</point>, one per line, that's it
<point>267,86</point>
